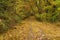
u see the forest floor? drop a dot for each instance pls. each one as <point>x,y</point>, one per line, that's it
<point>31,29</point>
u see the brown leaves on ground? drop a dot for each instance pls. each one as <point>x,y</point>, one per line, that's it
<point>32,30</point>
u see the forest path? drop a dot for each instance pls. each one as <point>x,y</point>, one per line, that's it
<point>31,29</point>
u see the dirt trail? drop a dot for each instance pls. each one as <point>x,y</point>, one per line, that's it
<point>32,30</point>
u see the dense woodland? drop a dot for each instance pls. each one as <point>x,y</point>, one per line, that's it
<point>14,11</point>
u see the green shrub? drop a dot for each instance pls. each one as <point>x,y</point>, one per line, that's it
<point>48,17</point>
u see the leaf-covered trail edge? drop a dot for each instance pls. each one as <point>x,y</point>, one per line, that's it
<point>31,25</point>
